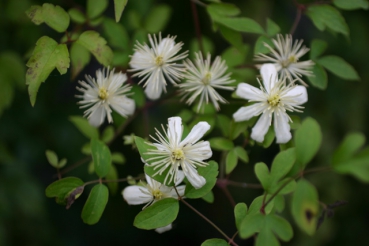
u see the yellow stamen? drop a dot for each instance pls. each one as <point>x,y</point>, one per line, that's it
<point>103,93</point>
<point>274,100</point>
<point>207,78</point>
<point>177,155</point>
<point>157,194</point>
<point>159,60</point>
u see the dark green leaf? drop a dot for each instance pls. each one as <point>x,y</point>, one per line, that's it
<point>282,164</point>
<point>138,96</point>
<point>52,158</point>
<point>223,122</point>
<point>215,242</point>
<point>317,48</point>
<point>320,78</point>
<point>242,154</point>
<point>272,28</point>
<point>186,115</point>
<point>157,18</point>
<point>233,37</point>
<point>96,7</point>
<point>240,211</point>
<point>207,44</point>
<point>222,9</point>
<point>95,204</point>
<point>231,161</point>
<point>209,172</point>
<point>116,34</point>
<point>220,143</point>
<point>119,6</point>
<point>339,67</point>
<point>84,127</point>
<point>235,56</point>
<point>80,57</point>
<point>260,47</point>
<point>349,146</point>
<point>101,157</point>
<point>351,4</point>
<point>62,187</point>
<point>112,175</point>
<point>160,214</point>
<point>241,24</point>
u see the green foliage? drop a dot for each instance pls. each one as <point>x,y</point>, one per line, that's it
<point>112,175</point>
<point>92,41</point>
<point>352,4</point>
<point>242,154</point>
<point>55,17</point>
<point>235,56</point>
<point>317,48</point>
<point>76,16</point>
<point>272,28</point>
<point>160,214</point>
<point>327,17</point>
<point>210,173</point>
<point>231,160</point>
<point>80,57</point>
<point>116,34</point>
<point>207,44</point>
<point>240,211</point>
<point>35,14</point>
<point>274,226</point>
<point>138,96</point>
<point>61,188</point>
<point>260,47</point>
<point>215,242</point>
<point>209,198</point>
<point>95,204</point>
<point>101,157</point>
<point>339,67</point>
<point>233,37</point>
<point>305,206</point>
<point>307,141</point>
<point>119,6</point>
<point>108,134</point>
<point>52,158</point>
<point>96,7</point>
<point>118,158</point>
<point>46,56</point>
<point>84,127</point>
<point>220,143</point>
<point>157,18</point>
<point>320,78</point>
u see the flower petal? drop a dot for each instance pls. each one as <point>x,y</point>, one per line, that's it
<point>249,92</point>
<point>196,133</point>
<point>160,230</point>
<point>116,80</point>
<point>133,195</point>
<point>153,87</point>
<point>282,128</point>
<point>179,178</point>
<point>269,74</point>
<point>123,105</point>
<point>181,190</point>
<point>298,94</point>
<point>246,113</point>
<point>261,127</point>
<point>97,116</point>
<point>194,178</point>
<point>175,129</point>
<point>165,46</point>
<point>199,151</point>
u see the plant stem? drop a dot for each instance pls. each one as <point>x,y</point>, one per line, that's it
<point>197,26</point>
<point>300,8</point>
<point>244,185</point>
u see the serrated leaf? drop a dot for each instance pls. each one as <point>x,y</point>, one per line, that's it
<point>320,78</point>
<point>231,161</point>
<point>325,16</point>
<point>92,41</point>
<point>101,157</point>
<point>96,7</point>
<point>215,242</point>
<point>307,141</point>
<point>305,206</point>
<point>209,172</point>
<point>52,158</point>
<point>240,211</point>
<point>80,57</point>
<point>95,204</point>
<point>55,17</point>
<point>62,187</point>
<point>220,143</point>
<point>282,164</point>
<point>116,34</point>
<point>160,214</point>
<point>351,4</point>
<point>157,18</point>
<point>339,67</point>
<point>272,28</point>
<point>35,14</point>
<point>119,6</point>
<point>76,16</point>
<point>317,48</point>
<point>46,56</point>
<point>84,127</point>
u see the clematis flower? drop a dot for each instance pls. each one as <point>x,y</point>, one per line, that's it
<point>102,94</point>
<point>172,153</point>
<point>274,98</point>
<point>286,57</point>
<point>203,78</point>
<point>157,64</point>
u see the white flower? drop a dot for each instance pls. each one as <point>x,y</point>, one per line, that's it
<point>102,94</point>
<point>203,78</point>
<point>172,153</point>
<point>157,64</point>
<point>152,192</point>
<point>274,98</point>
<point>286,58</point>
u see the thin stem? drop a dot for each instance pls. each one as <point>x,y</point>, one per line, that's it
<point>197,26</point>
<point>300,8</point>
<point>229,196</point>
<point>244,185</point>
<point>205,218</point>
<point>199,3</point>
<point>75,165</point>
<point>110,180</point>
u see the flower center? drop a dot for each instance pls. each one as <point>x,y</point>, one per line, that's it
<point>274,100</point>
<point>157,194</point>
<point>290,60</point>
<point>159,61</point>
<point>178,155</point>
<point>103,93</point>
<point>207,78</point>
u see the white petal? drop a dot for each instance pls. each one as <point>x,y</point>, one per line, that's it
<point>194,178</point>
<point>299,94</point>
<point>246,113</point>
<point>153,88</point>
<point>160,230</point>
<point>249,92</point>
<point>123,105</point>
<point>261,127</point>
<point>282,128</point>
<point>201,149</point>
<point>117,81</point>
<point>179,178</point>
<point>196,133</point>
<point>269,74</point>
<point>165,46</point>
<point>133,195</point>
<point>175,129</point>
<point>181,190</point>
<point>97,117</point>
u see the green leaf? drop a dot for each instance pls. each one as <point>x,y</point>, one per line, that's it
<point>52,158</point>
<point>240,211</point>
<point>250,225</point>
<point>108,134</point>
<point>233,37</point>
<point>339,67</point>
<point>279,203</point>
<point>235,56</point>
<point>325,16</point>
<point>160,214</point>
<point>116,34</point>
<point>95,204</point>
<point>12,67</point>
<point>351,4</point>
<point>241,24</point>
<point>84,127</point>
<point>282,164</point>
<point>320,78</point>
<point>223,122</point>
<point>288,183</point>
<point>35,14</point>
<point>46,56</point>
<point>207,44</point>
<point>209,197</point>
<point>222,9</point>
<point>62,187</point>
<point>92,41</point>
<point>260,47</point>
<point>118,158</point>
<point>62,163</point>
<point>280,226</point>
<point>112,175</point>
<point>242,154</point>
<point>96,7</point>
<point>138,96</point>
<point>349,146</point>
<point>256,205</point>
<point>266,237</point>
<point>317,48</point>
<point>209,172</point>
<point>220,143</point>
<point>307,141</point>
<point>55,17</point>
<point>231,161</point>
<point>269,137</point>
<point>215,242</point>
<point>157,18</point>
<point>80,57</point>
<point>101,157</point>
<point>119,6</point>
<point>186,115</point>
<point>272,28</point>
<point>77,16</point>
<point>262,173</point>
<point>305,206</point>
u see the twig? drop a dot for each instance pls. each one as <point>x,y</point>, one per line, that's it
<point>197,26</point>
